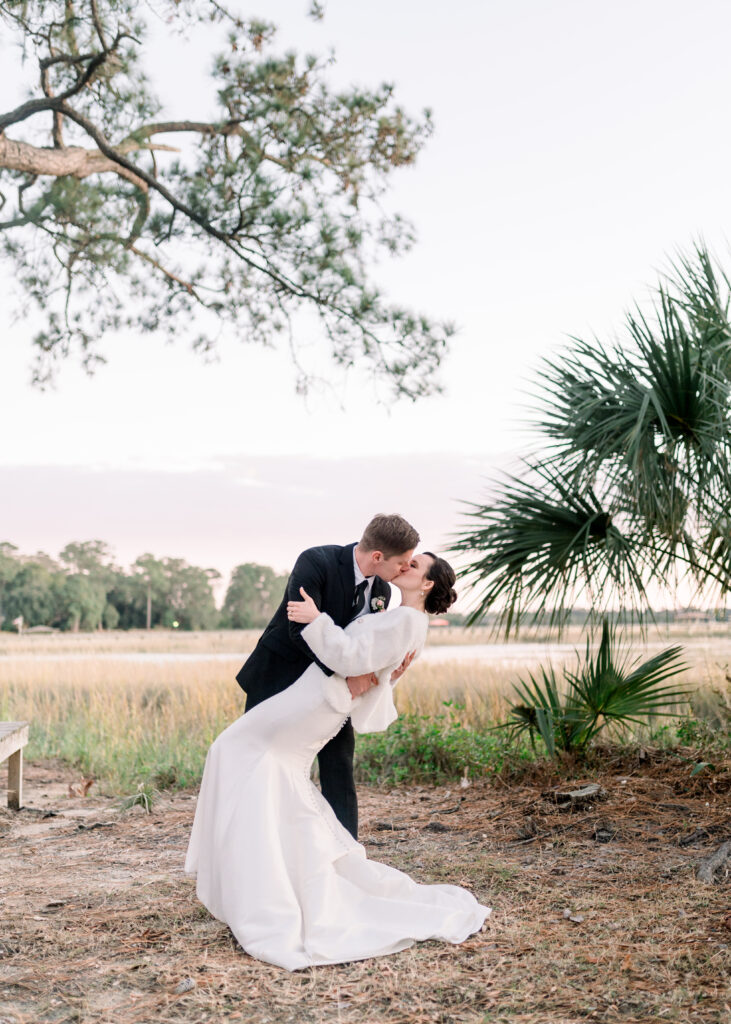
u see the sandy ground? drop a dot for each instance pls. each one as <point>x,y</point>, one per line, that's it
<point>597,912</point>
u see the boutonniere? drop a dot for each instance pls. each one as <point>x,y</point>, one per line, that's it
<point>378,604</point>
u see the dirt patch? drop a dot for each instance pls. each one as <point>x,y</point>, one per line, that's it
<point>597,912</point>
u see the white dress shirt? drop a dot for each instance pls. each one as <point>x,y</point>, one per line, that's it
<point>359,577</point>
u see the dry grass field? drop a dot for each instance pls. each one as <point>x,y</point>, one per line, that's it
<point>125,721</point>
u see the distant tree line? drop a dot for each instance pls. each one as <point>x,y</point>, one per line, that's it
<point>84,590</point>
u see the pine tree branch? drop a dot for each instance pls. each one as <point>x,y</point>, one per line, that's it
<point>64,58</point>
<point>30,107</point>
<point>225,129</point>
<point>59,162</point>
<point>174,278</point>
<point>97,23</point>
<point>230,243</point>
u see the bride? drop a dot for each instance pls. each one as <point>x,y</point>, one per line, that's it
<point>271,859</point>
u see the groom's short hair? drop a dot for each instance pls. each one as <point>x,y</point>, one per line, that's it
<point>390,534</point>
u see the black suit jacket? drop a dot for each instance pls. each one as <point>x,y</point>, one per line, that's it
<point>281,655</point>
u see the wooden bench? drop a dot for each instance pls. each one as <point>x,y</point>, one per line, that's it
<point>13,737</point>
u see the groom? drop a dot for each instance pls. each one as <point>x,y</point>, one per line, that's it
<point>345,582</point>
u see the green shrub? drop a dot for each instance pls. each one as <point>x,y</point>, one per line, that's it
<point>420,748</point>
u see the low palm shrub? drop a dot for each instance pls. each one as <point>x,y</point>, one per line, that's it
<point>606,689</point>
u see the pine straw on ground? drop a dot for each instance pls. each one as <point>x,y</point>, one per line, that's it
<point>99,924</point>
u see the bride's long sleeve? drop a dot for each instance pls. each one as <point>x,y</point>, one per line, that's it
<point>379,642</point>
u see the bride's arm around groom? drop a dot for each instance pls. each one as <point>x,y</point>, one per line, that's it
<point>376,643</point>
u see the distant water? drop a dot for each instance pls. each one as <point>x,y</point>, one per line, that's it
<point>497,654</point>
<point>519,653</point>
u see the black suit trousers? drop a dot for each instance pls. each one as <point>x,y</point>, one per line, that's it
<point>335,762</point>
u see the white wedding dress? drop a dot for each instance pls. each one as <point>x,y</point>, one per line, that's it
<point>272,860</point>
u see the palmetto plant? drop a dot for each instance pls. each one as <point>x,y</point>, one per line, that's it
<point>634,486</point>
<point>605,689</point>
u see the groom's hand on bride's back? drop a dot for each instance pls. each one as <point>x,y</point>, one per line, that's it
<point>398,672</point>
<point>358,685</point>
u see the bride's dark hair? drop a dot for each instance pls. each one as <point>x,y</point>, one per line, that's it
<point>442,594</point>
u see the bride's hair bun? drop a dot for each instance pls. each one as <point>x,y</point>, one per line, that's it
<point>442,595</point>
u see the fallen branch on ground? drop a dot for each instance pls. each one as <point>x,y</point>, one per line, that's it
<point>708,867</point>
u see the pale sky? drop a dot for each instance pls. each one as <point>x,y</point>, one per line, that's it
<point>577,147</point>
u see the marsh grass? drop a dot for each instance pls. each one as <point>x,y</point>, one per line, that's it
<point>126,722</point>
<point>478,693</point>
<point>123,722</point>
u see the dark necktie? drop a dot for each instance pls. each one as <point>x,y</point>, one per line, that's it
<point>359,597</point>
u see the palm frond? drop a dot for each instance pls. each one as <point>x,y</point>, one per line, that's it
<point>545,540</point>
<point>635,485</point>
<point>613,689</point>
